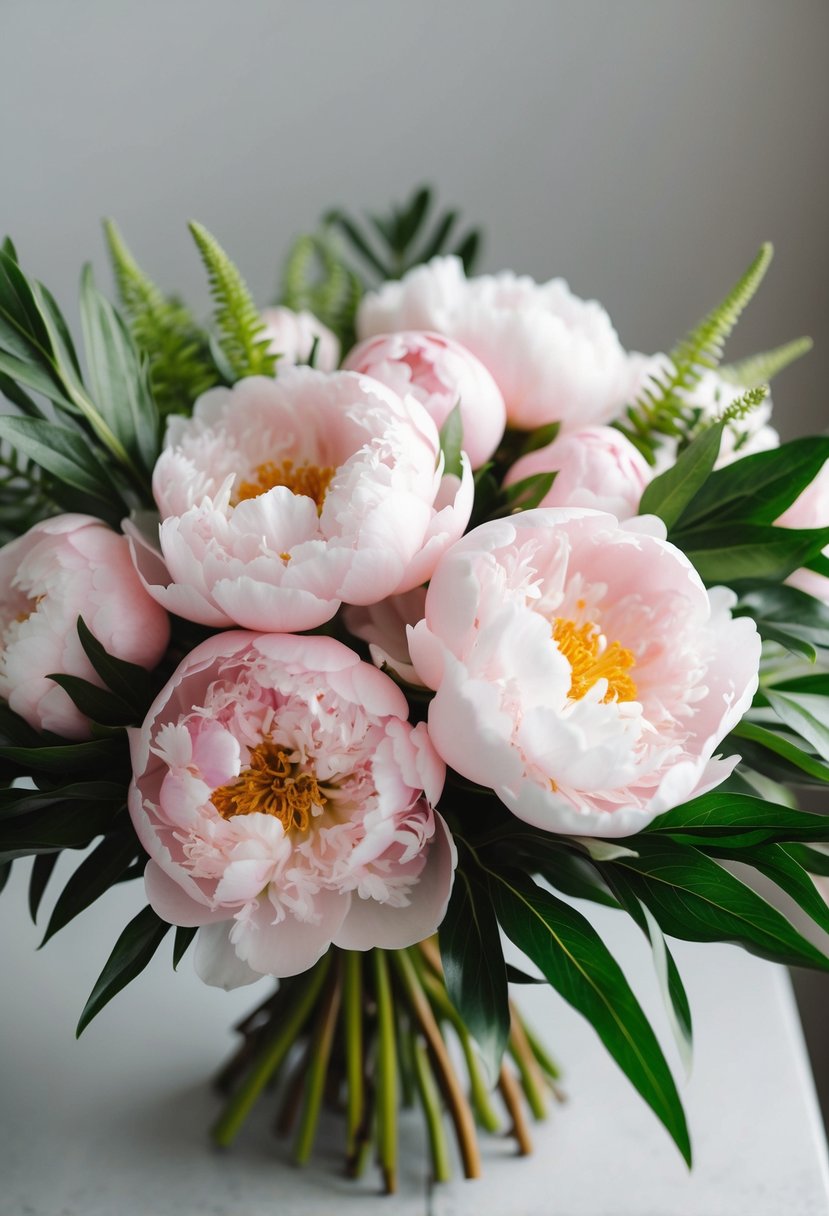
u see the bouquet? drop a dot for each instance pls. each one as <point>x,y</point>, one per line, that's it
<point>407,614</point>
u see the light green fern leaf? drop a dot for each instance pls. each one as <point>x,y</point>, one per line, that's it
<point>759,369</point>
<point>317,279</point>
<point>164,331</point>
<point>662,407</point>
<point>745,404</point>
<point>237,319</point>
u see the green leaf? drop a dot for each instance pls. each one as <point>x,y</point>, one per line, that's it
<point>758,489</point>
<point>577,963</point>
<point>119,380</point>
<point>813,860</point>
<point>238,321</point>
<point>66,758</point>
<point>42,868</point>
<point>669,494</point>
<point>468,250</point>
<point>696,899</point>
<point>129,682</point>
<point>181,943</point>
<point>720,813</point>
<point>97,703</point>
<point>776,863</point>
<point>451,442</point>
<point>473,965</point>
<point>516,976</point>
<point>572,875</point>
<point>541,437</point>
<point>760,369</point>
<point>63,825</point>
<point>17,801</point>
<point>729,552</point>
<point>786,615</point>
<point>93,877</point>
<point>5,874</point>
<point>68,456</point>
<point>806,715</point>
<point>131,954</point>
<point>781,746</point>
<point>527,493</point>
<point>317,279</point>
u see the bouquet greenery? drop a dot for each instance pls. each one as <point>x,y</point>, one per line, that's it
<point>411,612</point>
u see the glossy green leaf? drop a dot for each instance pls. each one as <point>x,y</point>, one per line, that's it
<point>451,442</point>
<point>806,714</point>
<point>727,552</point>
<point>127,681</point>
<point>68,456</point>
<point>97,703</point>
<point>670,493</point>
<point>93,877</point>
<point>68,758</point>
<point>63,825</point>
<point>781,746</point>
<point>473,965</point>
<point>723,813</point>
<point>131,954</point>
<point>42,868</point>
<point>577,963</point>
<point>181,943</point>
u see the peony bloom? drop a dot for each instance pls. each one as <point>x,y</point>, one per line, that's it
<point>384,627</point>
<point>596,467</point>
<point>291,335</point>
<point>554,357</point>
<point>582,670</point>
<point>63,568</point>
<point>282,498</point>
<point>439,372</point>
<point>286,804</point>
<point>810,510</point>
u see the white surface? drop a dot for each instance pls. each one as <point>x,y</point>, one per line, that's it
<point>116,1124</point>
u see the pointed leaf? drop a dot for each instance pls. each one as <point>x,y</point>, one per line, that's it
<point>181,943</point>
<point>42,868</point>
<point>94,876</point>
<point>670,493</point>
<point>131,954</point>
<point>451,442</point>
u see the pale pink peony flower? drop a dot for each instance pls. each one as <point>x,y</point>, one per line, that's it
<point>582,670</point>
<point>439,372</point>
<point>596,467</point>
<point>64,568</point>
<point>810,510</point>
<point>286,803</point>
<point>291,335</point>
<point>384,627</point>
<point>282,498</point>
<point>555,357</point>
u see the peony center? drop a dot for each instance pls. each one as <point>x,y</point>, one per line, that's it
<point>591,658</point>
<point>272,785</point>
<point>310,480</point>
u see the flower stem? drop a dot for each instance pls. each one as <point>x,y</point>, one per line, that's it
<point>386,1074</point>
<point>353,1035</point>
<point>319,1053</point>
<point>430,1099</point>
<point>539,1050</point>
<point>532,1079</point>
<point>227,1126</point>
<point>459,1108</point>
<point>511,1093</point>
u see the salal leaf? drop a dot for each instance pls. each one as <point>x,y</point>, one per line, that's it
<point>574,959</point>
<point>670,493</point>
<point>473,966</point>
<point>724,813</point>
<point>724,552</point>
<point>131,954</point>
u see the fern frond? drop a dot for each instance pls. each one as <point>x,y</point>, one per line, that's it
<point>759,369</point>
<point>24,499</point>
<point>745,404</point>
<point>237,318</point>
<point>317,279</point>
<point>164,330</point>
<point>662,407</point>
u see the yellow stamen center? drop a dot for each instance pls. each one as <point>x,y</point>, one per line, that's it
<point>312,480</point>
<point>592,659</point>
<point>271,785</point>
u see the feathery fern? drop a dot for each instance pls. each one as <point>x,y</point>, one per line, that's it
<point>759,369</point>
<point>317,279</point>
<point>24,499</point>
<point>164,331</point>
<point>238,322</point>
<point>663,407</point>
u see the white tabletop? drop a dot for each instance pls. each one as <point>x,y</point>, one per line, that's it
<point>115,1125</point>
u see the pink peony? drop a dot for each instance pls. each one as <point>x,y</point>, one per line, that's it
<point>291,335</point>
<point>439,372</point>
<point>282,498</point>
<point>595,467</point>
<point>286,804</point>
<point>384,627</point>
<point>582,670</point>
<point>63,568</point>
<point>810,510</point>
<point>554,357</point>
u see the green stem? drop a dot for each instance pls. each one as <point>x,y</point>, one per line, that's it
<point>318,1057</point>
<point>540,1052</point>
<point>353,1034</point>
<point>478,1089</point>
<point>386,1073</point>
<point>430,1099</point>
<point>227,1126</point>
<point>532,1081</point>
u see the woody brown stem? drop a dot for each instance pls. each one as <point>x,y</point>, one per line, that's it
<point>511,1093</point>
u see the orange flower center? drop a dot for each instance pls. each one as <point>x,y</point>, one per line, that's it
<point>311,480</point>
<point>272,785</point>
<point>592,658</point>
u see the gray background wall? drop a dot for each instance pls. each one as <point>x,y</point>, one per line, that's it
<point>640,148</point>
